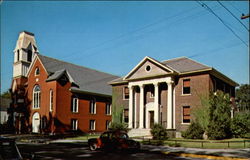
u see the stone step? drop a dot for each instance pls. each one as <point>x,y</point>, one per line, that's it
<point>139,132</point>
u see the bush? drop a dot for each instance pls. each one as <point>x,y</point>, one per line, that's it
<point>194,131</point>
<point>118,127</point>
<point>240,125</point>
<point>159,132</point>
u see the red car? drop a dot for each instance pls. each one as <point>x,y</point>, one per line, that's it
<point>113,140</point>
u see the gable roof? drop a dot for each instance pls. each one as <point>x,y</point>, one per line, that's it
<point>184,64</point>
<point>87,80</point>
<point>181,66</point>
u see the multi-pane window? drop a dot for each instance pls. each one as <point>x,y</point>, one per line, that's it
<point>107,124</point>
<point>36,97</point>
<point>186,86</point>
<point>125,115</point>
<point>186,114</point>
<point>125,93</point>
<point>74,107</point>
<point>37,71</point>
<point>92,107</point>
<point>74,124</point>
<point>51,100</point>
<point>92,125</point>
<point>108,109</point>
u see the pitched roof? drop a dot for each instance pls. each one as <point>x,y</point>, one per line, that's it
<point>184,64</point>
<point>88,80</point>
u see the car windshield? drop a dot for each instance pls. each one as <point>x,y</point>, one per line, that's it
<point>8,151</point>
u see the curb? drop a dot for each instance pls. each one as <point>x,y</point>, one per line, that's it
<point>202,156</point>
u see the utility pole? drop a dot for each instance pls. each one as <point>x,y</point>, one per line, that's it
<point>244,16</point>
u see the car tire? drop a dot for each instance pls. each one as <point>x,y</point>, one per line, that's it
<point>93,146</point>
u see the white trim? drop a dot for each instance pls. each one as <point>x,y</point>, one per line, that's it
<point>183,115</point>
<point>75,105</point>
<point>142,61</point>
<point>51,100</point>
<point>92,104</point>
<point>36,97</point>
<point>33,64</point>
<point>187,94</point>
<point>74,124</point>
<point>108,108</point>
<point>92,128</point>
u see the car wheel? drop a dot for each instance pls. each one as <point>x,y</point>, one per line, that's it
<point>92,146</point>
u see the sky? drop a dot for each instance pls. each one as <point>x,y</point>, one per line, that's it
<point>114,37</point>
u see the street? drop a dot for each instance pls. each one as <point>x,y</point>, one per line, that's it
<point>76,151</point>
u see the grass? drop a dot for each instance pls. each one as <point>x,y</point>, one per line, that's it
<point>85,137</point>
<point>211,144</point>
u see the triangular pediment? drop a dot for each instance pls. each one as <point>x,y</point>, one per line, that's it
<point>148,67</point>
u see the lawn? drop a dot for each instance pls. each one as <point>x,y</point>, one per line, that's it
<point>212,144</point>
<point>85,137</point>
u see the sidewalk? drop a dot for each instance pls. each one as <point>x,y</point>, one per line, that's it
<point>202,153</point>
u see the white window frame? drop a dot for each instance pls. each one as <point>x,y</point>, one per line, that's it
<point>51,100</point>
<point>37,69</point>
<point>92,107</point>
<point>182,115</point>
<point>75,105</point>
<point>108,109</point>
<point>92,124</point>
<point>74,124</point>
<point>108,122</point>
<point>183,86</point>
<point>36,97</point>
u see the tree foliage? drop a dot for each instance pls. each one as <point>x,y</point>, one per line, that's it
<point>219,116</point>
<point>194,131</point>
<point>243,97</point>
<point>241,124</point>
<point>159,132</point>
<point>6,94</point>
<point>118,127</point>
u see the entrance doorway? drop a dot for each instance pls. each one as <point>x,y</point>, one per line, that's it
<point>35,122</point>
<point>151,119</point>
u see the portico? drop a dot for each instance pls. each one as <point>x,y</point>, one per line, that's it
<point>151,111</point>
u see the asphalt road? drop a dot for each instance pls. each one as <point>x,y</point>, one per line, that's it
<point>77,151</point>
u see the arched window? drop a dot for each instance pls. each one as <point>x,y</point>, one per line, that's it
<point>36,97</point>
<point>37,71</point>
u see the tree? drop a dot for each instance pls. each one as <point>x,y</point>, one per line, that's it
<point>243,97</point>
<point>6,94</point>
<point>219,116</point>
<point>118,127</point>
<point>241,125</point>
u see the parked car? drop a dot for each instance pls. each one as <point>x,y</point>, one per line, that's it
<point>10,151</point>
<point>113,140</point>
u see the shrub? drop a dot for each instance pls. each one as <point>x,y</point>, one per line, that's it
<point>118,127</point>
<point>159,132</point>
<point>240,125</point>
<point>219,116</point>
<point>194,131</point>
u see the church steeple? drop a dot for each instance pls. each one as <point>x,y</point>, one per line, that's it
<point>24,52</point>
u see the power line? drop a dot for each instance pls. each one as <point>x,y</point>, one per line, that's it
<point>233,15</point>
<point>210,10</point>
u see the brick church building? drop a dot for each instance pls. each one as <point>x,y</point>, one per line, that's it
<point>53,96</point>
<point>166,93</point>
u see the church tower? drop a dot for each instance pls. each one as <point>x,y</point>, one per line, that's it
<point>24,53</point>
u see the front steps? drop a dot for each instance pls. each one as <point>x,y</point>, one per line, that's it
<point>139,132</point>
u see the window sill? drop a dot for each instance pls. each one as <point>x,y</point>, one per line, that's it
<point>185,123</point>
<point>36,108</point>
<point>186,94</point>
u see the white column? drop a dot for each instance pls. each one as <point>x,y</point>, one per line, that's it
<point>130,110</point>
<point>170,106</point>
<point>156,103</point>
<point>141,106</point>
<point>135,110</point>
